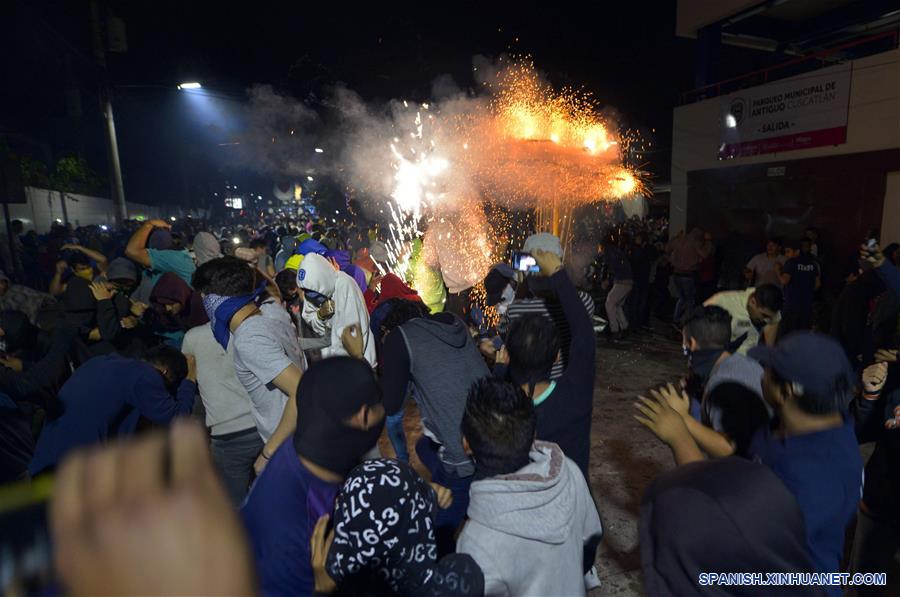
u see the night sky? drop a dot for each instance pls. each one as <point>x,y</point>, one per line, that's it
<point>626,54</point>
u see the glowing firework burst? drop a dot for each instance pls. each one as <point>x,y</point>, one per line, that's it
<point>527,147</point>
<point>529,109</point>
<point>547,150</point>
<point>458,239</point>
<point>417,170</point>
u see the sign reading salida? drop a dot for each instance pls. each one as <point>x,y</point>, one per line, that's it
<point>797,113</point>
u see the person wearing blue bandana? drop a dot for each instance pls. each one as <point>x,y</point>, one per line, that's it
<point>268,360</point>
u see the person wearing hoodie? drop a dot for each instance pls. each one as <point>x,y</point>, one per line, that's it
<point>288,247</point>
<point>153,247</point>
<point>119,327</point>
<point>340,417</point>
<point>176,308</point>
<point>716,517</point>
<point>436,356</point>
<point>107,396</point>
<point>533,526</point>
<point>427,279</point>
<point>338,303</point>
<point>345,264</point>
<point>206,248</point>
<point>399,508</point>
<point>391,287</point>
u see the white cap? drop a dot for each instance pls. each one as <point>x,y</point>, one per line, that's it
<point>543,241</point>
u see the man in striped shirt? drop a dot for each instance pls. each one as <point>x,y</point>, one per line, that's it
<point>546,303</point>
<point>538,297</point>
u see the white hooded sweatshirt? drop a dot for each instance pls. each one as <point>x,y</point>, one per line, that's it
<point>317,274</point>
<point>527,530</point>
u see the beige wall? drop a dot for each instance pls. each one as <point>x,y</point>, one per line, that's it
<point>873,123</point>
<point>44,206</point>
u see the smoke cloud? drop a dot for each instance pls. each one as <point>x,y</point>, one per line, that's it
<point>280,135</point>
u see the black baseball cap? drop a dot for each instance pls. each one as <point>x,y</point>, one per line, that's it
<point>814,361</point>
<point>496,280</point>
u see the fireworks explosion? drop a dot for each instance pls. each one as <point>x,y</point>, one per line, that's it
<point>456,167</point>
<point>549,150</point>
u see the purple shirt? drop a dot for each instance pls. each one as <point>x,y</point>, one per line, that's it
<point>280,513</point>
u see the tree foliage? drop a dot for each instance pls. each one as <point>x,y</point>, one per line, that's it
<point>74,175</point>
<point>70,174</point>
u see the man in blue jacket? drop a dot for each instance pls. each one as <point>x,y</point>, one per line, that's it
<point>108,395</point>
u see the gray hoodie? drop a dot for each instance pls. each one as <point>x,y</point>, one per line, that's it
<point>527,531</point>
<point>443,365</point>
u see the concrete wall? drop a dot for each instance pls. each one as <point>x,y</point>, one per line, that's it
<point>45,206</point>
<point>873,124</point>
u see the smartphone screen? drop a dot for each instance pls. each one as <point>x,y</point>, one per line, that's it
<point>524,262</point>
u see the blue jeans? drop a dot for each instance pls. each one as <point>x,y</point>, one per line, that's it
<point>686,292</point>
<point>448,520</point>
<point>394,424</point>
<point>234,455</point>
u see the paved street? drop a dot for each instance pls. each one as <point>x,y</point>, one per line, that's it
<point>625,456</point>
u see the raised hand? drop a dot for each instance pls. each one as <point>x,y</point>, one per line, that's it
<point>548,262</point>
<point>661,419</point>
<point>874,376</point>
<point>125,518</point>
<point>319,545</point>
<point>444,496</point>
<point>675,399</point>
<point>352,339</point>
<point>100,291</point>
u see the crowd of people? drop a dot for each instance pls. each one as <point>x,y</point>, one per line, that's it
<point>210,401</point>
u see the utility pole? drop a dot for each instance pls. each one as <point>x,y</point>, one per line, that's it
<point>117,188</point>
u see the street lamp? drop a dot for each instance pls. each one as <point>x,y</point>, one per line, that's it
<point>118,188</point>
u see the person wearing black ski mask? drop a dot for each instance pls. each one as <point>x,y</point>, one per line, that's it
<point>340,416</point>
